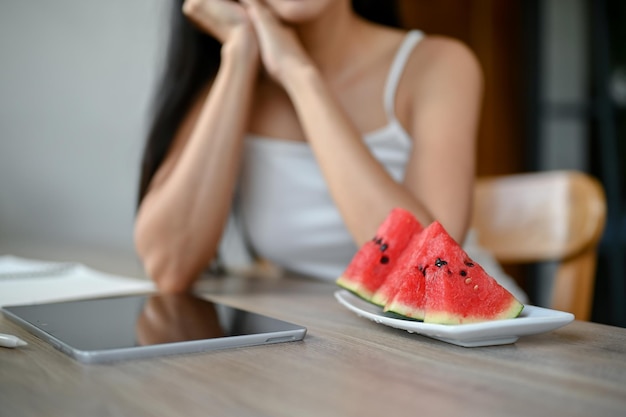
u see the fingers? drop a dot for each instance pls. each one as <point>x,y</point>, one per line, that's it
<point>258,10</point>
<point>216,17</point>
<point>279,44</point>
<point>263,18</point>
<point>248,3</point>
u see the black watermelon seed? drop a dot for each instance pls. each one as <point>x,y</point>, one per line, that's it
<point>379,241</point>
<point>463,273</point>
<point>383,247</point>
<point>468,263</point>
<point>421,269</point>
<point>439,263</point>
<point>384,260</point>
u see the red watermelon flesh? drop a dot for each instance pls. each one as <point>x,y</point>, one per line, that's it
<point>407,279</point>
<point>376,258</point>
<point>456,289</point>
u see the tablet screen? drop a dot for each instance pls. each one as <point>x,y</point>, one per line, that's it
<point>130,323</point>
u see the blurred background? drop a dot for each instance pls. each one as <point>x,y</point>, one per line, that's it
<point>76,79</point>
<point>555,99</point>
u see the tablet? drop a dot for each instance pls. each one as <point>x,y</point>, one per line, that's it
<point>147,325</point>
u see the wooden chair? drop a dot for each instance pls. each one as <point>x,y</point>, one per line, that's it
<point>545,216</point>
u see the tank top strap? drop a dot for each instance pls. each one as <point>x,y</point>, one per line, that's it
<point>397,67</point>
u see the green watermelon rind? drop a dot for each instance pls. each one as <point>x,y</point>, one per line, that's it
<point>355,288</point>
<point>379,299</point>
<point>514,310</point>
<point>404,311</point>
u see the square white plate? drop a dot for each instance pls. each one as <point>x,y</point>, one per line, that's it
<point>532,320</point>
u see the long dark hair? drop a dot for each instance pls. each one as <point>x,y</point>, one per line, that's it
<point>192,58</point>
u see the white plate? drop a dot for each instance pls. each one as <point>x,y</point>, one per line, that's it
<point>532,320</point>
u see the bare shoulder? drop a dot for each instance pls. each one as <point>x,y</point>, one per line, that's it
<point>442,49</point>
<point>441,72</point>
<point>439,59</point>
<point>442,82</point>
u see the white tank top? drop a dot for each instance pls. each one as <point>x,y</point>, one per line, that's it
<point>284,206</point>
<point>283,211</point>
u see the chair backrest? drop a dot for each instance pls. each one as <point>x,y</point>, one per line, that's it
<point>545,216</point>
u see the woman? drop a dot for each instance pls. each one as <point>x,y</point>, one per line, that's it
<point>314,124</point>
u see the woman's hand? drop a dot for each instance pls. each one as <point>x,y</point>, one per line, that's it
<point>281,50</point>
<point>219,18</point>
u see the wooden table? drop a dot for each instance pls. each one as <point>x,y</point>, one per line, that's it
<point>346,366</point>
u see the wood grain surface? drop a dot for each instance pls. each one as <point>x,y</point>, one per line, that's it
<point>346,366</point>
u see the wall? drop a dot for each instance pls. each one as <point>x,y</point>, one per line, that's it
<point>493,30</point>
<point>564,89</point>
<point>75,81</point>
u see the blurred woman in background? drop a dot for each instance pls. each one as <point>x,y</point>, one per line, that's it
<point>304,122</point>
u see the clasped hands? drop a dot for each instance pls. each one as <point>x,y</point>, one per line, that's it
<point>252,25</point>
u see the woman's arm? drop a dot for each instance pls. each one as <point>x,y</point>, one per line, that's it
<point>443,122</point>
<point>439,176</point>
<point>181,218</point>
<point>443,117</point>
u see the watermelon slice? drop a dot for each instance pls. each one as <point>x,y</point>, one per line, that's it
<point>406,278</point>
<point>455,289</point>
<point>376,258</point>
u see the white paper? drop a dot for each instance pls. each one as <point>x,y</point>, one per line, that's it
<point>27,281</point>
